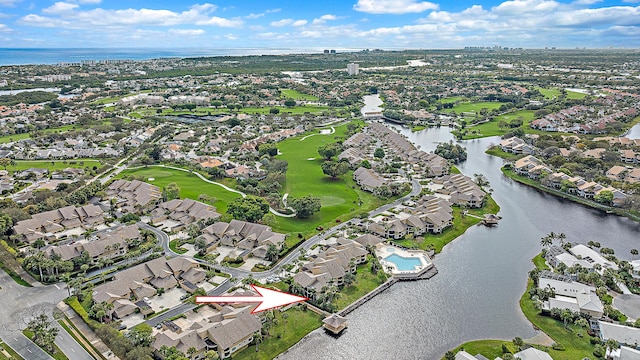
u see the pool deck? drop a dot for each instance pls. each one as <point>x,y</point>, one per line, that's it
<point>426,267</point>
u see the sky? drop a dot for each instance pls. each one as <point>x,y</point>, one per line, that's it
<point>319,24</point>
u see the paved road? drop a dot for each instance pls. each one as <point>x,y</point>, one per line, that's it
<point>17,305</point>
<point>70,346</point>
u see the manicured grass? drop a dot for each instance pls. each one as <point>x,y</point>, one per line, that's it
<point>489,348</point>
<point>575,95</point>
<point>491,128</point>
<point>173,245</point>
<point>296,95</point>
<point>53,165</point>
<point>418,128</point>
<point>549,93</point>
<point>496,151</point>
<point>14,355</point>
<point>365,282</point>
<point>460,225</point>
<point>540,263</point>
<point>341,198</point>
<point>190,185</point>
<point>451,99</point>
<point>13,137</point>
<point>298,324</point>
<point>474,106</point>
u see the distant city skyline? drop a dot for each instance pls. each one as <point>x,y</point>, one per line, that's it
<point>332,24</point>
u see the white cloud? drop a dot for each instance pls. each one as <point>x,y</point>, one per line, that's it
<point>587,2</point>
<point>4,28</point>
<point>394,6</point>
<point>282,22</point>
<point>259,15</point>
<point>231,37</point>
<point>67,15</point>
<point>187,32</point>
<point>60,8</point>
<point>221,22</point>
<point>9,2</point>
<point>324,18</point>
<point>299,23</point>
<point>88,1</point>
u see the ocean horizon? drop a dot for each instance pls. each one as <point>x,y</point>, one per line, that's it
<point>51,56</point>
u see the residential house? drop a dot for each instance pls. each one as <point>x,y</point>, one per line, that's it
<point>225,329</point>
<point>330,267</point>
<point>255,238</point>
<point>143,281</point>
<point>368,179</point>
<point>620,333</point>
<point>106,244</point>
<point>133,196</point>
<point>515,145</point>
<point>176,214</point>
<point>572,295</point>
<point>462,190</point>
<point>46,224</point>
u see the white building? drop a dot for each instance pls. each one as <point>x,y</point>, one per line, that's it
<point>353,69</point>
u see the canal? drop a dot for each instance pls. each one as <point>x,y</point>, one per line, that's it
<point>482,274</point>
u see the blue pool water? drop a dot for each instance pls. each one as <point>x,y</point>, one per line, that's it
<point>403,263</point>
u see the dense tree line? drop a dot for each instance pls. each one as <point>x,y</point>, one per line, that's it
<point>27,97</point>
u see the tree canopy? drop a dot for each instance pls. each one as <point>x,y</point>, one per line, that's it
<point>305,206</point>
<point>250,208</point>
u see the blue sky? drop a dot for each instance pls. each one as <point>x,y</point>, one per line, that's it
<point>334,24</point>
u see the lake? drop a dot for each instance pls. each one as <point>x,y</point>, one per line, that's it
<point>482,274</point>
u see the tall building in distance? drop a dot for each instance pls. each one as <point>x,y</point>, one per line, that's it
<point>353,69</point>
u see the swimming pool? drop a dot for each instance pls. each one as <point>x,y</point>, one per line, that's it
<point>404,263</point>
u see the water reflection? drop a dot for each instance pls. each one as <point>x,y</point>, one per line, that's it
<point>482,274</point>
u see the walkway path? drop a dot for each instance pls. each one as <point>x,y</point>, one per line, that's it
<point>271,210</point>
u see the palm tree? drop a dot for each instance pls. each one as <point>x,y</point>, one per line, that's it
<point>257,337</point>
<point>546,241</point>
<point>634,252</point>
<point>611,344</point>
<point>566,315</point>
<point>562,237</point>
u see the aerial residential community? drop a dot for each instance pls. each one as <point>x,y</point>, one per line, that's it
<point>472,201</point>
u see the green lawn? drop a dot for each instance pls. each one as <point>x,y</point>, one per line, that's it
<point>13,137</point>
<point>489,348</point>
<point>549,93</point>
<point>364,284</point>
<point>53,165</point>
<point>496,151</point>
<point>575,95</point>
<point>339,197</point>
<point>451,99</point>
<point>298,324</point>
<point>190,185</point>
<point>491,128</point>
<point>296,95</point>
<point>474,106</point>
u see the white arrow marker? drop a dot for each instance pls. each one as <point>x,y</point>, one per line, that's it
<point>268,299</point>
